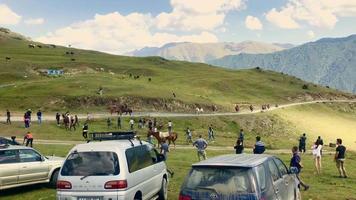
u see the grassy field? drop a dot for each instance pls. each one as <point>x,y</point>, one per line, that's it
<point>323,187</point>
<point>22,86</point>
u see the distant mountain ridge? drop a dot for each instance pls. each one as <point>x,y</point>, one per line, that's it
<point>204,52</point>
<point>328,61</point>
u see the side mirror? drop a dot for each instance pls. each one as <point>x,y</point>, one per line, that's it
<point>160,158</point>
<point>43,158</point>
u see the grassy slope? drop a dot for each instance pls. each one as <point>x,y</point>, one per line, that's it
<point>192,82</point>
<point>324,187</point>
<point>331,121</point>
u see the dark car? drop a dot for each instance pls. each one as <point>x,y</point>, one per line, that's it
<point>4,140</point>
<point>240,177</point>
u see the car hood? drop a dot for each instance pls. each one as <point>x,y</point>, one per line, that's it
<point>54,158</point>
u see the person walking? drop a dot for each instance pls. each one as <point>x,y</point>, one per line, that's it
<point>76,120</point>
<point>316,151</point>
<point>28,138</point>
<point>201,145</point>
<point>239,147</point>
<point>302,142</point>
<point>140,123</point>
<point>321,142</point>
<point>164,151</point>
<point>259,146</point>
<point>132,123</point>
<point>72,123</point>
<point>296,167</point>
<point>150,125</point>
<point>39,117</point>
<point>340,158</point>
<point>211,136</point>
<point>119,122</point>
<point>27,122</point>
<point>85,130</point>
<point>188,134</point>
<point>58,118</point>
<point>8,117</point>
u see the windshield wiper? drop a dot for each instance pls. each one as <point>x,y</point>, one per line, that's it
<point>93,175</point>
<point>206,188</point>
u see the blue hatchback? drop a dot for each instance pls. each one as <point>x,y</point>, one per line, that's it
<point>240,177</point>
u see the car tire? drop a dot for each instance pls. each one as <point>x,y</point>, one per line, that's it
<point>163,192</point>
<point>54,177</point>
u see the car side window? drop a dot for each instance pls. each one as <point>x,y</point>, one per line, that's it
<point>29,155</point>
<point>281,167</point>
<point>261,177</point>
<point>274,170</point>
<point>138,158</point>
<point>9,156</point>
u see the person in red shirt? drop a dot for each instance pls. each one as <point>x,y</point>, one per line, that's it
<point>28,138</point>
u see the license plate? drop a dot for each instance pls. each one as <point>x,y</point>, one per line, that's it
<point>90,198</point>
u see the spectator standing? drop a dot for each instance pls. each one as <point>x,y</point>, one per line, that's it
<point>340,158</point>
<point>8,117</point>
<point>132,123</point>
<point>154,122</point>
<point>28,138</point>
<point>76,120</point>
<point>85,130</point>
<point>188,133</point>
<point>239,147</point>
<point>201,145</point>
<point>259,146</point>
<point>211,136</point>
<point>296,166</point>
<point>241,136</point>
<point>72,123</point>
<point>316,148</point>
<point>140,123</point>
<point>39,117</point>
<point>302,142</point>
<point>119,122</point>
<point>108,121</point>
<point>58,118</point>
<point>170,126</point>
<point>320,142</point>
<point>150,125</point>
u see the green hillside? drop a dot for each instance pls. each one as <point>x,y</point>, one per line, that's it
<point>23,86</point>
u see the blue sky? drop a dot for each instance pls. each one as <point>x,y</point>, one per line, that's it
<point>119,26</point>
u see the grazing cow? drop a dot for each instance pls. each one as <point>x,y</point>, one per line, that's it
<point>251,108</point>
<point>39,46</point>
<point>214,108</point>
<point>149,79</point>
<point>237,108</point>
<point>72,52</point>
<point>72,59</point>
<point>31,46</point>
<point>7,58</point>
<point>67,52</point>
<point>199,110</point>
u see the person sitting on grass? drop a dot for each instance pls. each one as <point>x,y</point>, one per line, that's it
<point>296,166</point>
<point>340,158</point>
<point>259,146</point>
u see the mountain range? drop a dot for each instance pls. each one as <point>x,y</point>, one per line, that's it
<point>204,52</point>
<point>328,61</point>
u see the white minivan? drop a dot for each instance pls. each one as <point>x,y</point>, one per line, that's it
<point>124,168</point>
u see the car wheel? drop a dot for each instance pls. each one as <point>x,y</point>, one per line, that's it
<point>163,192</point>
<point>54,177</point>
<point>138,196</point>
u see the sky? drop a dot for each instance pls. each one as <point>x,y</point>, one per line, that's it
<point>121,26</point>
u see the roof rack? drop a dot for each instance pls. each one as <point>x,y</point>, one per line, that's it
<point>120,135</point>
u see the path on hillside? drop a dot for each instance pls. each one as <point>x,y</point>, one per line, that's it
<point>51,117</point>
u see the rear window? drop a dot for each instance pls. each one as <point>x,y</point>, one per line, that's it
<point>91,164</point>
<point>222,180</point>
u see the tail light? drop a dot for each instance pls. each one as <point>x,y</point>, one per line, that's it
<point>64,185</point>
<point>119,184</point>
<point>184,197</point>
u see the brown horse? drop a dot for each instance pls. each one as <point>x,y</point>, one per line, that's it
<point>172,137</point>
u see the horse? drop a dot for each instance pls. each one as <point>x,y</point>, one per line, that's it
<point>199,110</point>
<point>124,109</point>
<point>171,137</point>
<point>7,58</point>
<point>31,46</point>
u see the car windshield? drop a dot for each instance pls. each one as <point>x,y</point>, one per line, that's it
<point>91,164</point>
<point>222,180</point>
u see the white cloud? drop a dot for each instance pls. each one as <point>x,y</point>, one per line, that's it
<point>318,13</point>
<point>188,15</point>
<point>37,21</point>
<point>253,23</point>
<point>311,34</point>
<point>116,33</point>
<point>7,16</point>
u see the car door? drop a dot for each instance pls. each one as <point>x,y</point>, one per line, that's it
<point>278,183</point>
<point>32,167</point>
<point>288,187</point>
<point>9,167</point>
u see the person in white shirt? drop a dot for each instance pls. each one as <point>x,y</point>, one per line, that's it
<point>316,148</point>
<point>170,126</point>
<point>132,122</point>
